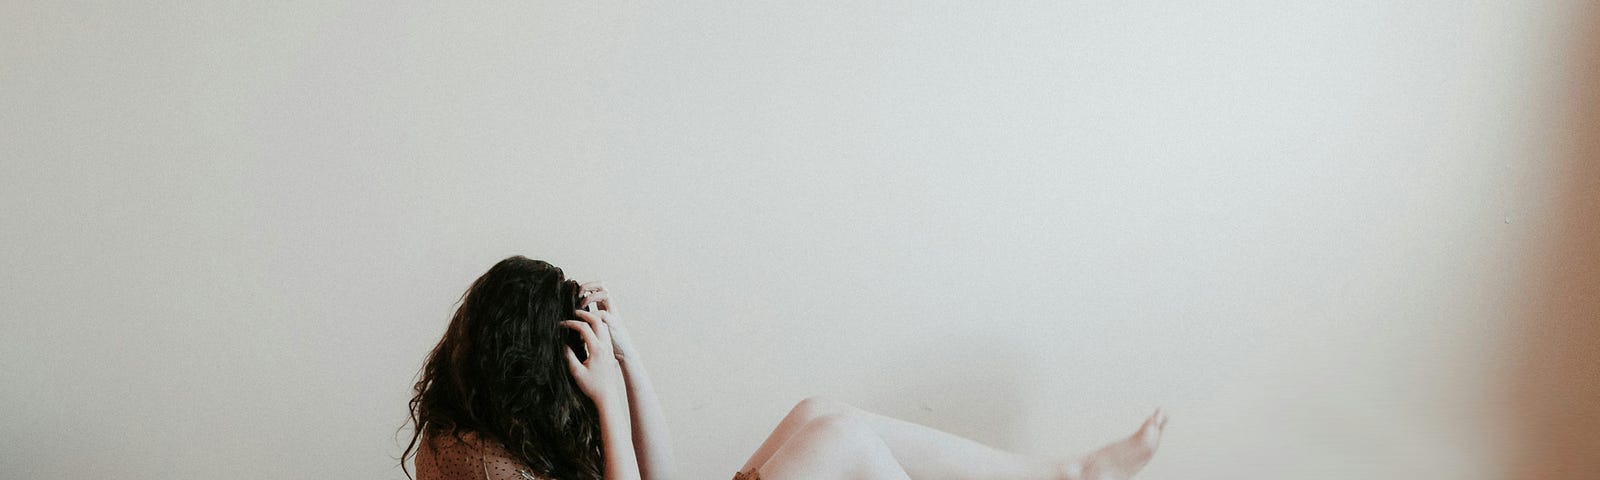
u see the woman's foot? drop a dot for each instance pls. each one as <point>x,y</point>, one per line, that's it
<point>1121,459</point>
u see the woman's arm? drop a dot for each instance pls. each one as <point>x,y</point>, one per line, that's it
<point>617,440</point>
<point>600,377</point>
<point>651,442</point>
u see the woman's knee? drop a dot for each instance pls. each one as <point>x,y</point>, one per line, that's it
<point>813,408</point>
<point>833,446</point>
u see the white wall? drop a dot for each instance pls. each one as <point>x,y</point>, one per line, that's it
<point>232,230</point>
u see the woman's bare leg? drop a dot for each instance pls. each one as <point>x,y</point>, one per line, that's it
<point>1120,459</point>
<point>929,454</point>
<point>803,413</point>
<point>832,447</point>
<point>925,453</point>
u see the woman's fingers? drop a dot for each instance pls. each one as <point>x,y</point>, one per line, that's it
<point>611,319</point>
<point>599,297</point>
<point>598,324</point>
<point>603,299</point>
<point>573,363</point>
<point>595,292</point>
<point>590,341</point>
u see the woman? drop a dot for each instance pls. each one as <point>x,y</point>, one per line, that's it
<point>536,378</point>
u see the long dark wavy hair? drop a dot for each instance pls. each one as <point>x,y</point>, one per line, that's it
<point>500,372</point>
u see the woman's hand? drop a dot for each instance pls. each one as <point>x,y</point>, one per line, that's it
<point>593,293</point>
<point>600,377</point>
<point>652,445</point>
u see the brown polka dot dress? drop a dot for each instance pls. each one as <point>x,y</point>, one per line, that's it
<point>472,458</point>
<point>468,459</point>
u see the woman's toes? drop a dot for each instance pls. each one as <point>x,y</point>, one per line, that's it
<point>1150,433</point>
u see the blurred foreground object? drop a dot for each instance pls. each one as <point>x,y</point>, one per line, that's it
<point>1555,389</point>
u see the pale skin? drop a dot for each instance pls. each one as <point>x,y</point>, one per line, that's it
<point>819,438</point>
<point>651,444</point>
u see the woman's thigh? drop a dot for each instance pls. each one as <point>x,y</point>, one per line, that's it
<point>833,447</point>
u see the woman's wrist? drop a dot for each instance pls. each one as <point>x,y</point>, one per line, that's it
<point>630,364</point>
<point>615,423</point>
<point>614,406</point>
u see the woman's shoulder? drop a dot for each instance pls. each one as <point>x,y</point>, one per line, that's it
<point>468,456</point>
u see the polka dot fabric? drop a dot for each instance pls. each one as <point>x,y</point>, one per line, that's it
<point>475,459</point>
<point>468,459</point>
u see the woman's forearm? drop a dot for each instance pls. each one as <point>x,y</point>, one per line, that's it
<point>616,439</point>
<point>651,442</point>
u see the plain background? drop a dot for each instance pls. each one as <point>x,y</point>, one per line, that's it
<point>232,230</point>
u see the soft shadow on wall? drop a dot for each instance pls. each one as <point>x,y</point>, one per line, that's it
<point>974,386</point>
